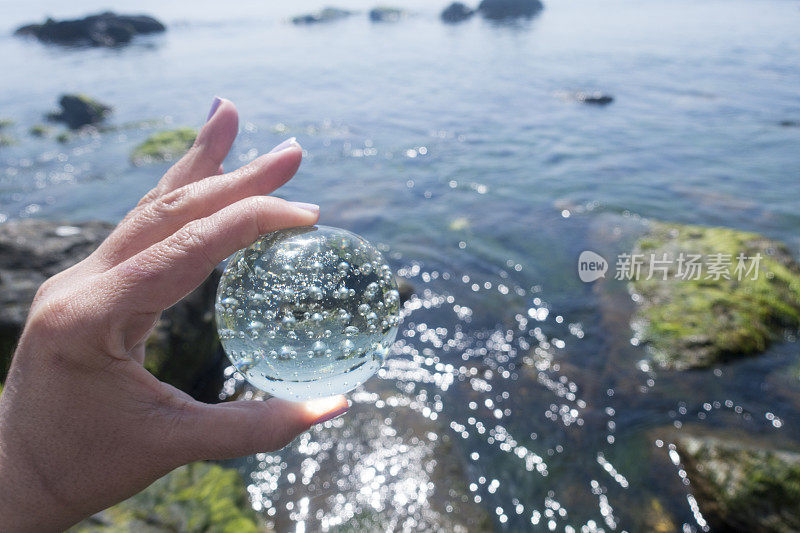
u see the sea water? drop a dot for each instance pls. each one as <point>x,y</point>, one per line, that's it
<point>307,312</point>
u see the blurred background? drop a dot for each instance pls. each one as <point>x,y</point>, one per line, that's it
<point>483,156</point>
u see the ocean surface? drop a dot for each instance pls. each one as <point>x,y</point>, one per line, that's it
<point>514,395</point>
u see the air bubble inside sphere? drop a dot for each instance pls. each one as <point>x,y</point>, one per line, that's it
<point>307,312</point>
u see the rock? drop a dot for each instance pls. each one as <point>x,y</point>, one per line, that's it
<point>6,123</point>
<point>504,9</point>
<point>183,349</point>
<point>385,14</point>
<point>64,137</point>
<point>695,323</point>
<point>328,14</point>
<point>595,98</point>
<point>7,140</point>
<point>456,12</point>
<point>103,29</point>
<point>405,288</point>
<point>196,497</point>
<point>30,252</point>
<point>78,110</point>
<point>789,123</point>
<point>741,488</point>
<point>164,146</point>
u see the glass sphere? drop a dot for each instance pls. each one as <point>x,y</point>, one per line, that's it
<point>307,312</point>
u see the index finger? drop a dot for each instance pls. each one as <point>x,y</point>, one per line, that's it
<point>162,274</point>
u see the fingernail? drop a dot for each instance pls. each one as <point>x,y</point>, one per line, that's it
<point>214,106</point>
<point>313,208</point>
<point>330,416</point>
<point>284,145</point>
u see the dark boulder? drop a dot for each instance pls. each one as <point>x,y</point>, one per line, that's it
<point>595,98</point>
<point>183,349</point>
<point>328,14</point>
<point>456,12</point>
<point>504,9</point>
<point>103,29</point>
<point>78,110</point>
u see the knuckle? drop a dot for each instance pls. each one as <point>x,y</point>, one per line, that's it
<point>193,239</point>
<point>171,202</point>
<point>53,312</point>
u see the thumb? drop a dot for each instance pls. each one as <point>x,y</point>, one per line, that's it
<point>245,427</point>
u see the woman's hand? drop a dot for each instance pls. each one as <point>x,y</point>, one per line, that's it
<point>82,424</point>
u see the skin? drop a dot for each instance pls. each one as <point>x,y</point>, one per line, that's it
<point>82,424</point>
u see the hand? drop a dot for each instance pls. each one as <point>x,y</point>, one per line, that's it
<point>83,425</point>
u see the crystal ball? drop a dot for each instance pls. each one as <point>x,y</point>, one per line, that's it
<point>307,312</point>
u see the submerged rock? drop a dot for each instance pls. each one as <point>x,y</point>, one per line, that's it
<point>385,14</point>
<point>164,146</point>
<point>456,12</point>
<point>183,349</point>
<point>328,14</point>
<point>405,288</point>
<point>740,488</point>
<point>504,9</point>
<point>195,497</point>
<point>103,29</point>
<point>694,320</point>
<point>78,110</point>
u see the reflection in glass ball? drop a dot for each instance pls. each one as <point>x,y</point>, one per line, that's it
<point>307,312</point>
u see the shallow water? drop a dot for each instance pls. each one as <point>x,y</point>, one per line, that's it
<point>513,384</point>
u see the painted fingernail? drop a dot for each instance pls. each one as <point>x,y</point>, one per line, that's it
<point>284,145</point>
<point>331,415</point>
<point>214,106</point>
<point>313,208</point>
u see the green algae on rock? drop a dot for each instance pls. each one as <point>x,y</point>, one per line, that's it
<point>196,497</point>
<point>39,130</point>
<point>740,488</point>
<point>696,322</point>
<point>164,146</point>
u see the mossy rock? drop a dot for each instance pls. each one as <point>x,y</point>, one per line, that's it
<point>740,488</point>
<point>6,123</point>
<point>164,146</point>
<point>64,137</point>
<point>657,519</point>
<point>39,130</point>
<point>7,140</point>
<point>696,323</point>
<point>201,497</point>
